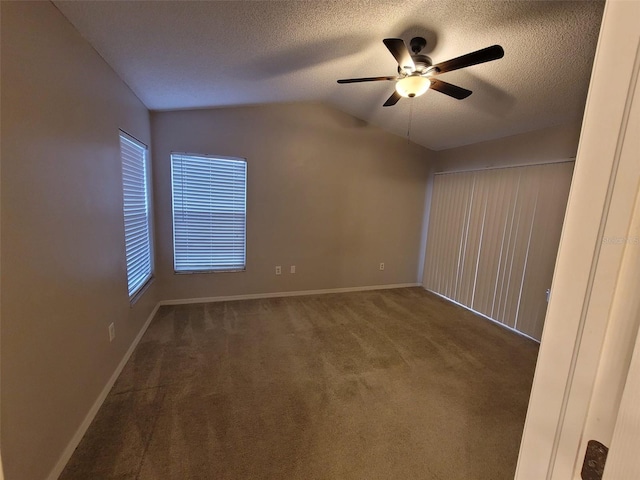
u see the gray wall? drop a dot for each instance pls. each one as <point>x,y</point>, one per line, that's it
<point>326,192</point>
<point>63,257</point>
<point>551,144</point>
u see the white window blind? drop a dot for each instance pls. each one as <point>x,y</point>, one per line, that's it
<point>136,212</point>
<point>209,213</point>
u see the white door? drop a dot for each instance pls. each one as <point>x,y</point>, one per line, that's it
<point>592,319</point>
<point>622,462</point>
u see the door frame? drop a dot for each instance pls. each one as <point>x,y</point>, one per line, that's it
<point>586,275</point>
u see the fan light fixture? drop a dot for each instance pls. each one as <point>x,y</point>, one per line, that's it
<point>412,86</point>
<point>417,74</point>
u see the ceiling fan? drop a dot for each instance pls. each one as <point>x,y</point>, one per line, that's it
<point>416,72</point>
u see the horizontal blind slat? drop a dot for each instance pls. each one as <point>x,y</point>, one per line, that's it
<point>209,213</point>
<point>136,213</point>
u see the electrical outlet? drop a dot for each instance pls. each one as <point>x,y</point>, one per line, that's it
<point>278,270</point>
<point>292,269</point>
<point>112,332</point>
<point>381,265</point>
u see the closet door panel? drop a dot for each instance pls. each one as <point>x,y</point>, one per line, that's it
<point>554,183</point>
<point>492,251</point>
<point>493,237</point>
<point>470,254</point>
<point>447,238</point>
<point>524,210</point>
<point>465,198</point>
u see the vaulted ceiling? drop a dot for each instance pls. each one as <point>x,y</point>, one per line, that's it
<point>184,54</point>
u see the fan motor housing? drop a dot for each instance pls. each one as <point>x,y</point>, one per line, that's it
<point>423,65</point>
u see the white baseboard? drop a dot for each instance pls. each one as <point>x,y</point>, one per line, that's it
<point>84,426</point>
<point>298,293</point>
<point>483,315</point>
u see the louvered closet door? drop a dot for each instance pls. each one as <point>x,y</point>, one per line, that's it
<point>493,238</point>
<point>450,234</point>
<point>554,182</point>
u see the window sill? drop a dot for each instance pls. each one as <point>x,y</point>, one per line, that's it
<point>136,296</point>
<point>192,272</point>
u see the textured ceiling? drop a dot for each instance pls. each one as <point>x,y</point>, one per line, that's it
<point>179,55</point>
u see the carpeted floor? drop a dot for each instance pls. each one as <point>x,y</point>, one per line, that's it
<point>391,384</point>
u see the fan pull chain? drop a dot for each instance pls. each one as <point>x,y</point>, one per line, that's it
<point>411,100</point>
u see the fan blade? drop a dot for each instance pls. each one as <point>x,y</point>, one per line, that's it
<point>481,56</point>
<point>449,89</point>
<point>393,99</point>
<point>401,53</point>
<point>367,79</point>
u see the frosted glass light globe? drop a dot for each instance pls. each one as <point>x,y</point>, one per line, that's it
<point>412,86</point>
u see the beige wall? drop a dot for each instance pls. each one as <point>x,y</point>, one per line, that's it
<point>326,192</point>
<point>63,257</point>
<point>551,144</point>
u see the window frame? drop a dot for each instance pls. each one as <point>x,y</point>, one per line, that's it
<point>177,271</point>
<point>149,276</point>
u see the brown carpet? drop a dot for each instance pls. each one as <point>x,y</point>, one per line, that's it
<point>392,384</point>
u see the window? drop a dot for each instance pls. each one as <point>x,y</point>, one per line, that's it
<point>209,213</point>
<point>137,230</point>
